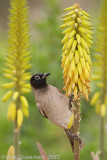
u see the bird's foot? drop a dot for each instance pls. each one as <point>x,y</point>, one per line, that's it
<point>75,136</point>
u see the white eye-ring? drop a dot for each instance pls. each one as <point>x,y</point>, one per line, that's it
<point>37,77</point>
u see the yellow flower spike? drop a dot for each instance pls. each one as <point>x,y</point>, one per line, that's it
<point>103,110</point>
<point>15,95</point>
<point>17,61</point>
<point>100,64</point>
<point>11,153</point>
<point>7,96</point>
<point>19,118</point>
<point>95,98</point>
<point>77,41</point>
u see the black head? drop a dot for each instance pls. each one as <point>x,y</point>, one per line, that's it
<point>39,80</point>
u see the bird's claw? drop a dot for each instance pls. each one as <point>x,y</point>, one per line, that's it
<point>75,136</point>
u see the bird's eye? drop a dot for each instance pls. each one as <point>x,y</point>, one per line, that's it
<point>37,77</point>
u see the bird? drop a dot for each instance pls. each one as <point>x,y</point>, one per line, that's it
<point>54,105</point>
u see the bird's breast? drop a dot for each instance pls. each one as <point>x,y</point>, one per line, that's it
<point>55,105</point>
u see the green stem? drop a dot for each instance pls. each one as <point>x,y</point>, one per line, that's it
<point>104,89</point>
<point>16,135</point>
<point>102,137</point>
<point>76,130</point>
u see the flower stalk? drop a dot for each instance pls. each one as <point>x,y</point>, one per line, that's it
<point>76,62</point>
<point>16,66</point>
<point>99,98</point>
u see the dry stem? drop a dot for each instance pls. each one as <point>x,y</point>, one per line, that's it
<point>76,130</point>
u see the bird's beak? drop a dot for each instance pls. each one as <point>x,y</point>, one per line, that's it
<point>45,75</point>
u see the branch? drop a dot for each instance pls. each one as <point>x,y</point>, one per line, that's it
<point>42,152</point>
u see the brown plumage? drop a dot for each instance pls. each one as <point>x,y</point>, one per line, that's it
<point>53,104</point>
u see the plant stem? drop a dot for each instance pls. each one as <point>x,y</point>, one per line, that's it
<point>76,130</point>
<point>104,89</point>
<point>102,137</point>
<point>16,136</point>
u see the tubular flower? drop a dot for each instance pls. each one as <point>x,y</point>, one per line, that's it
<point>11,153</point>
<point>100,65</point>
<point>76,62</point>
<point>17,59</point>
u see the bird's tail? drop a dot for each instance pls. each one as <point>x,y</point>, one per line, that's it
<point>71,139</point>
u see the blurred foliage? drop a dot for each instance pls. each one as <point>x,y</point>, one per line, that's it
<point>46,57</point>
<point>48,47</point>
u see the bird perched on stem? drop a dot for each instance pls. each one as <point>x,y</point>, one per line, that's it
<point>54,105</point>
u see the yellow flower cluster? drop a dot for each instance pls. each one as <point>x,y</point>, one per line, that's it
<point>76,61</point>
<point>17,61</point>
<point>100,66</point>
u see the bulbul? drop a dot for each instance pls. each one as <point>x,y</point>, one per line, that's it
<point>54,105</point>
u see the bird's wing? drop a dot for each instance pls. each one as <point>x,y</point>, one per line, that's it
<point>41,111</point>
<point>70,99</point>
